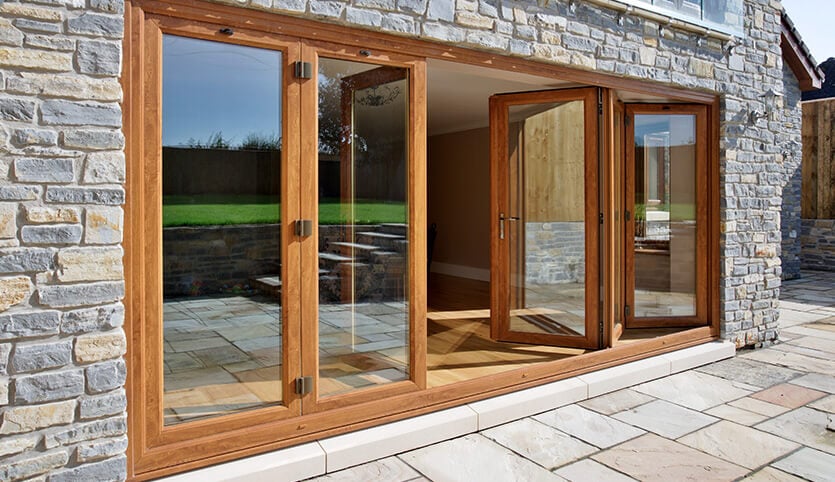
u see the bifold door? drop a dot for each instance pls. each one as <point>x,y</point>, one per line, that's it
<point>546,218</point>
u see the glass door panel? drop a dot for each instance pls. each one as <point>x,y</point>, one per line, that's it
<point>363,225</point>
<point>546,242</point>
<point>664,193</point>
<point>221,232</point>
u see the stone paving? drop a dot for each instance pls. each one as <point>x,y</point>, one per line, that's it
<point>762,416</point>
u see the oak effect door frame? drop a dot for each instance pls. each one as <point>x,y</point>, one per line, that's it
<point>516,296</point>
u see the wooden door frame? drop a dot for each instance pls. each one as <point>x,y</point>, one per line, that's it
<point>416,210</point>
<point>500,260</point>
<point>703,227</point>
<point>144,236</point>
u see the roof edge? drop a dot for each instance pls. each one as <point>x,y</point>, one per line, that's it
<point>798,57</point>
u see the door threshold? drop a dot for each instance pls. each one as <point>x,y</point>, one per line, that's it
<point>350,449</point>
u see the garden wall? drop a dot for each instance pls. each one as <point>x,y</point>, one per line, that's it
<point>818,241</point>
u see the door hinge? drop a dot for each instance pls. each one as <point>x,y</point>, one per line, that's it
<point>599,102</point>
<point>626,120</point>
<point>627,310</point>
<point>600,216</point>
<point>304,227</point>
<point>627,215</point>
<point>304,385</point>
<point>304,70</point>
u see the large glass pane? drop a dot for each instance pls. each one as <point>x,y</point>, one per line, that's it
<point>221,112</point>
<point>665,215</point>
<point>363,226</point>
<point>546,222</point>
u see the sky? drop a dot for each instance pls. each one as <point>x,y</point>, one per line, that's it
<point>815,20</point>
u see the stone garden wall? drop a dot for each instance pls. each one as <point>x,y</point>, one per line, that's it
<point>62,405</point>
<point>555,253</point>
<point>818,244</point>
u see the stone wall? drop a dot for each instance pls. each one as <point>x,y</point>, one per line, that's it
<point>818,244</point>
<point>555,253</point>
<point>62,405</point>
<point>792,152</point>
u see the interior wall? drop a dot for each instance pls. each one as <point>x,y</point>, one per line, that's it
<point>459,202</point>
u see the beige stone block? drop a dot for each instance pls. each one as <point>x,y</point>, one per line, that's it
<point>474,20</point>
<point>90,264</point>
<point>14,290</point>
<point>4,395</point>
<point>16,445</point>
<point>100,346</point>
<point>9,35</point>
<point>73,87</point>
<point>103,225</point>
<point>34,417</point>
<point>8,220</point>
<point>105,167</point>
<point>701,68</point>
<point>583,61</point>
<point>35,59</point>
<point>28,11</point>
<point>42,215</point>
<point>647,55</point>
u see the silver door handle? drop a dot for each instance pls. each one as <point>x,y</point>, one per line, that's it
<point>502,219</point>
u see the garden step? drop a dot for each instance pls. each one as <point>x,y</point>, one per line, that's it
<point>327,261</point>
<point>357,250</point>
<point>394,228</point>
<point>268,285</point>
<point>383,240</point>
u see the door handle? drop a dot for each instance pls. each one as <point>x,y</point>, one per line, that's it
<point>502,220</point>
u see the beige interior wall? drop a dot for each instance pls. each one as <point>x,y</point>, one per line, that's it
<point>459,197</point>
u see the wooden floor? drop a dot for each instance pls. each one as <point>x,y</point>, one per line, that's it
<point>458,335</point>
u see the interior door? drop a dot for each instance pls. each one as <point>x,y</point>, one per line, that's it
<point>666,203</point>
<point>363,187</point>
<point>545,235</point>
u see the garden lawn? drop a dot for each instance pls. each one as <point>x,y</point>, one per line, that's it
<point>212,210</point>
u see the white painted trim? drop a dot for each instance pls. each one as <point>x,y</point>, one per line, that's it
<point>461,271</point>
<point>354,448</point>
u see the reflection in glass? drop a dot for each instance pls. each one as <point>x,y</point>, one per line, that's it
<point>363,310</point>
<point>221,258</point>
<point>665,215</point>
<point>546,222</point>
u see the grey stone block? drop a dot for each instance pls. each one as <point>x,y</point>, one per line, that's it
<point>66,296</point>
<point>41,356</point>
<point>34,137</point>
<point>26,260</point>
<point>108,6</point>
<point>17,109</point>
<point>100,318</point>
<point>441,10</point>
<point>93,139</point>
<point>96,24</point>
<point>35,323</point>
<point>412,6</point>
<point>35,26</point>
<point>44,169</point>
<point>19,193</point>
<point>106,376</point>
<point>101,449</point>
<point>49,387</point>
<point>111,469</point>
<point>106,405</point>
<point>109,427</point>
<point>50,42</point>
<point>33,466</point>
<point>326,8</point>
<point>52,234</point>
<point>84,195</point>
<point>5,350</point>
<point>64,112</point>
<point>99,57</point>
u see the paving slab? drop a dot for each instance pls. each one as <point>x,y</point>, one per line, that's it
<point>739,444</point>
<point>809,464</point>
<point>471,458</point>
<point>804,425</point>
<point>541,443</point>
<point>696,390</point>
<point>788,395</point>
<point>750,372</point>
<point>736,415</point>
<point>616,401</point>
<point>770,474</point>
<point>390,469</point>
<point>589,426</point>
<point>826,404</point>
<point>665,418</point>
<point>587,469</point>
<point>817,381</point>
<point>653,458</point>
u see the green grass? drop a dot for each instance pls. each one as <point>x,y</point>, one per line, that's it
<point>213,210</point>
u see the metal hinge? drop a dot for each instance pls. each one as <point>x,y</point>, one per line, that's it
<point>599,102</point>
<point>304,227</point>
<point>304,385</point>
<point>627,215</point>
<point>626,120</point>
<point>627,310</point>
<point>304,70</point>
<point>600,216</point>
